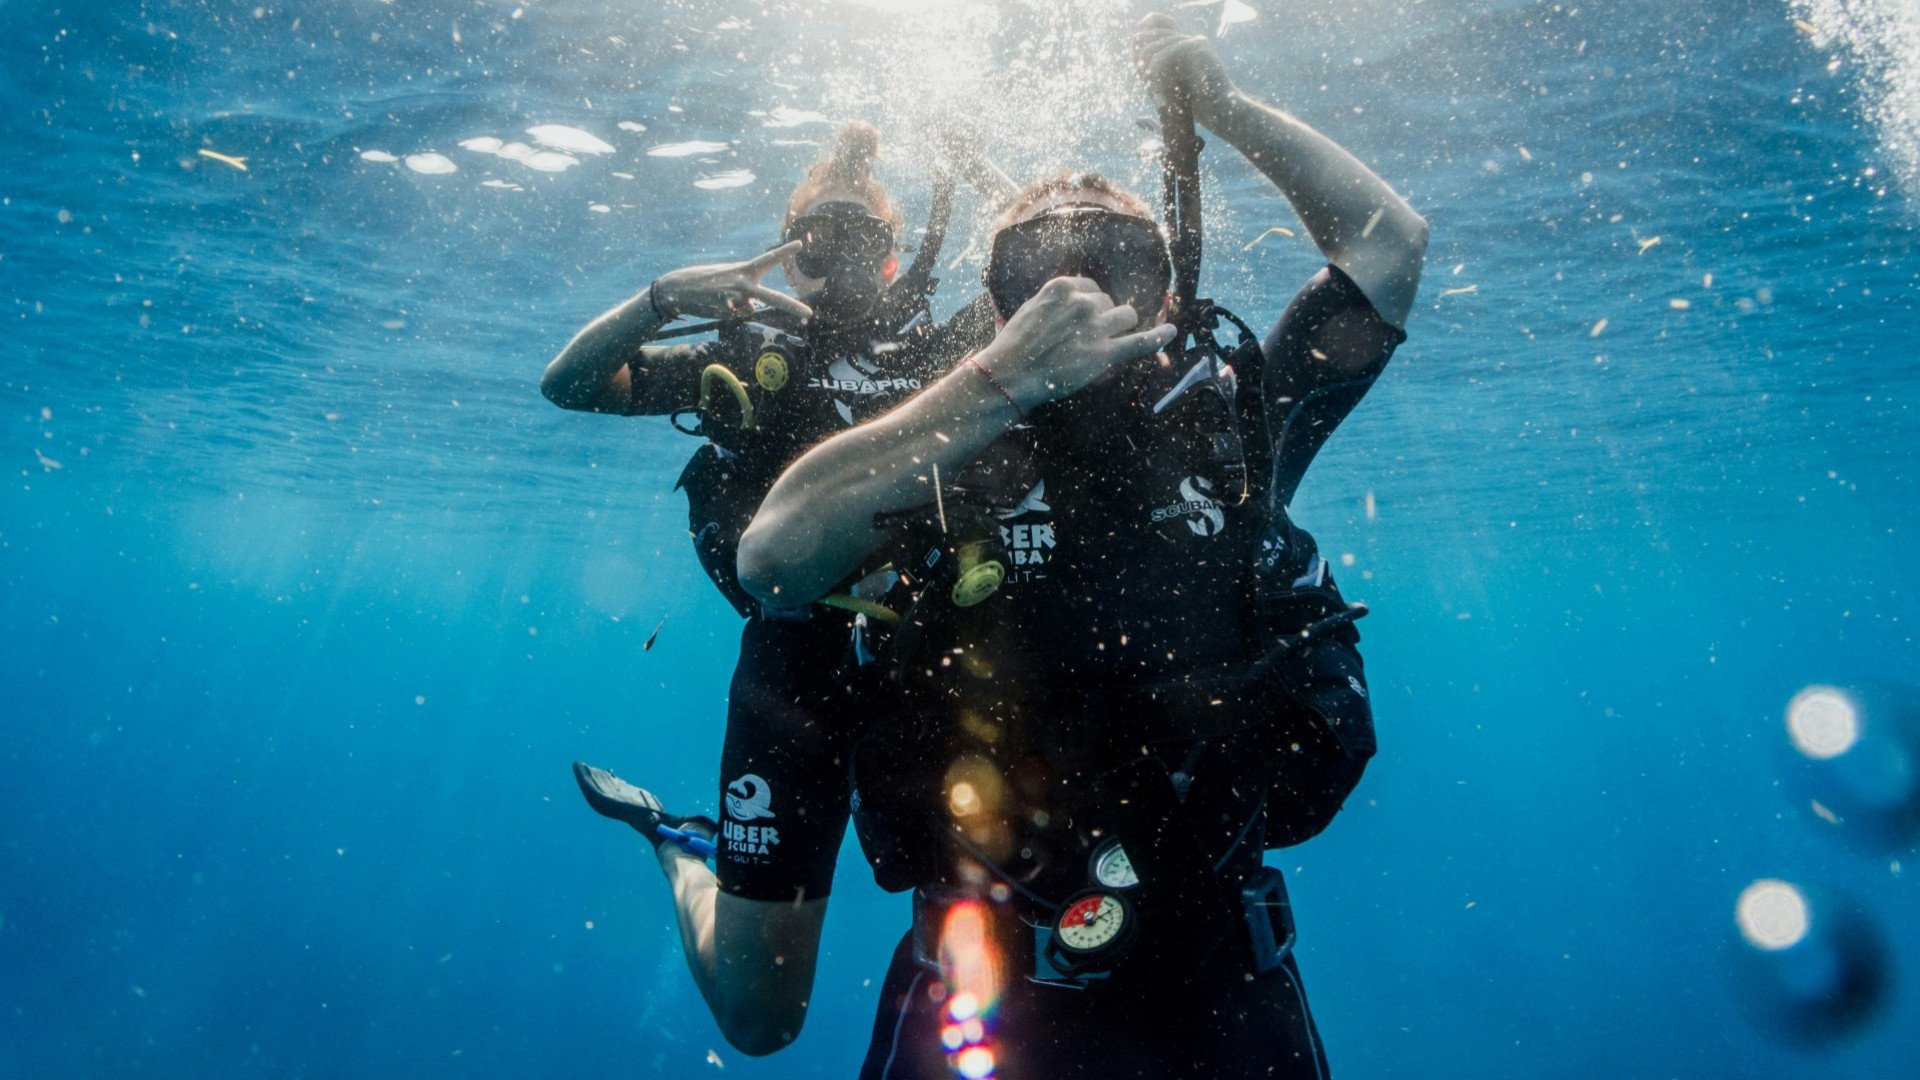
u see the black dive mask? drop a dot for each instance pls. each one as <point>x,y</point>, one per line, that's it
<point>1125,254</point>
<point>846,246</point>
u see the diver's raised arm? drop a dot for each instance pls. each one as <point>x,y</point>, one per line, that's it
<point>817,524</point>
<point>1360,224</point>
<point>594,372</point>
<point>964,150</point>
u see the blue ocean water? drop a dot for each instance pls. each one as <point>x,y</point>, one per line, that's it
<point>309,598</point>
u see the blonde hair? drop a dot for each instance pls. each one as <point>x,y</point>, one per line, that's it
<point>1070,183</point>
<point>846,169</point>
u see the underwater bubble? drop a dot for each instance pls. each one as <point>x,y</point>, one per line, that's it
<point>1233,13</point>
<point>378,156</point>
<point>732,178</point>
<point>550,161</point>
<point>515,151</point>
<point>782,116</point>
<point>503,185</point>
<point>1881,38</point>
<point>686,149</point>
<point>431,164</point>
<point>485,144</point>
<point>632,125</point>
<point>563,137</point>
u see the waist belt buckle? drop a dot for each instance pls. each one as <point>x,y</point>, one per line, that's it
<point>927,916</point>
<point>1269,919</point>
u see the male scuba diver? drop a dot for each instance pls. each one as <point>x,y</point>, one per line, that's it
<point>1127,672</point>
<point>851,342</point>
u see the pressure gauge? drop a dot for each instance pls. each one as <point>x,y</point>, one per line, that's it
<point>1113,868</point>
<point>1093,922</point>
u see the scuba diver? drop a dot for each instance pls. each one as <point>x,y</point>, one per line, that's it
<point>1127,672</point>
<point>781,373</point>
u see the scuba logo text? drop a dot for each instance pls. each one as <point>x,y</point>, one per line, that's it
<point>1195,498</point>
<point>749,799</point>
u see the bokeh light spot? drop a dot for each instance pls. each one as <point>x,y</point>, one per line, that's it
<point>1772,915</point>
<point>975,1063</point>
<point>1823,722</point>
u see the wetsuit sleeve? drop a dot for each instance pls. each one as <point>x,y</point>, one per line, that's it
<point>666,378</point>
<point>785,784</point>
<point>1320,360</point>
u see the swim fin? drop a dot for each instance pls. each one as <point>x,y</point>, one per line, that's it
<point>613,797</point>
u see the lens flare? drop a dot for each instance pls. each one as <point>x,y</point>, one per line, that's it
<point>969,964</point>
<point>974,1063</point>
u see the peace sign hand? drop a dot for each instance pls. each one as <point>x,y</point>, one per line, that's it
<point>727,290</point>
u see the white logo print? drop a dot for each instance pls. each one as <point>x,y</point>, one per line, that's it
<point>1357,688</point>
<point>1194,495</point>
<point>857,377</point>
<point>1034,503</point>
<point>748,798</point>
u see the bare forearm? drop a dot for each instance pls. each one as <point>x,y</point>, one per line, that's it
<point>816,525</point>
<point>1356,219</point>
<point>579,376</point>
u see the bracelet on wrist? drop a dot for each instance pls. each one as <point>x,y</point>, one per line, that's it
<point>666,314</point>
<point>995,383</point>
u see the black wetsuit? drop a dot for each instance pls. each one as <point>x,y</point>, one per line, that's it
<point>1102,694</point>
<point>791,719</point>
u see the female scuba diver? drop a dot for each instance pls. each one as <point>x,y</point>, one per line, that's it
<point>1127,671</point>
<point>776,380</point>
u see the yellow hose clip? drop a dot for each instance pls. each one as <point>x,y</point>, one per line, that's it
<point>720,373</point>
<point>770,370</point>
<point>980,577</point>
<point>872,609</point>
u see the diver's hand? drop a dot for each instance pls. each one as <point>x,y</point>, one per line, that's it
<point>1068,335</point>
<point>727,290</point>
<point>1173,63</point>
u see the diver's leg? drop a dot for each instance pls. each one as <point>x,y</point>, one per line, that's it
<point>753,960</point>
<point>784,793</point>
